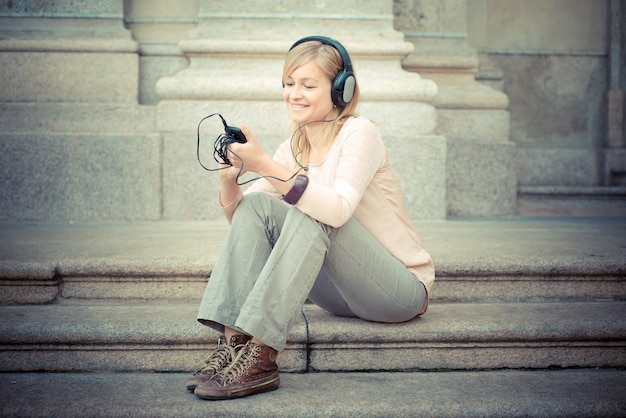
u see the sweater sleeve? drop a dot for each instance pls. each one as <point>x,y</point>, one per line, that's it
<point>359,153</point>
<point>353,161</point>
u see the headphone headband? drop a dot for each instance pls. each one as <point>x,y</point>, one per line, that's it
<point>347,65</point>
<point>344,84</point>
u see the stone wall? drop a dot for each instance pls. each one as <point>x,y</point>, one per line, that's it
<point>99,100</point>
<point>235,64</point>
<point>74,143</point>
<point>480,169</point>
<point>552,56</point>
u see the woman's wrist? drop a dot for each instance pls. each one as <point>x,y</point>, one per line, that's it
<point>228,195</point>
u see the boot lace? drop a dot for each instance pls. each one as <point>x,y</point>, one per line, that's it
<point>244,361</point>
<point>221,356</point>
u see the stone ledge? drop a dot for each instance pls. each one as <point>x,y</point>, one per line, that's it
<point>44,283</point>
<point>479,129</point>
<point>470,96</point>
<point>88,76</point>
<point>510,260</point>
<point>69,45</point>
<point>149,337</point>
<point>472,336</point>
<point>618,191</point>
<point>69,118</point>
<point>571,201</point>
<point>166,337</point>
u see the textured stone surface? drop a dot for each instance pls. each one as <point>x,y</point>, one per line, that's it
<point>419,163</point>
<point>474,125</point>
<point>556,167</point>
<point>97,334</point>
<point>615,167</point>
<point>83,77</point>
<point>570,26</point>
<point>561,113</point>
<point>513,260</point>
<point>571,201</point>
<point>63,7</point>
<point>431,16</point>
<point>74,177</point>
<point>149,337</point>
<point>151,70</point>
<point>120,53</point>
<point>71,118</point>
<point>472,336</point>
<point>552,59</point>
<point>615,135</point>
<point>163,337</point>
<point>453,394</point>
<point>481,178</point>
<point>466,110</point>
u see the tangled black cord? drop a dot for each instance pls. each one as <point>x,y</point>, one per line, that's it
<point>221,148</point>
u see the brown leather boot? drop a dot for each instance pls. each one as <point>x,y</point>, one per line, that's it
<point>253,370</point>
<point>221,357</point>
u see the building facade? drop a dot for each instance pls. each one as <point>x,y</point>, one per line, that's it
<point>488,107</point>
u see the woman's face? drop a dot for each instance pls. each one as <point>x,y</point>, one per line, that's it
<point>307,94</point>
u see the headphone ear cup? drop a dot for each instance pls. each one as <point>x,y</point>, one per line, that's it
<point>343,88</point>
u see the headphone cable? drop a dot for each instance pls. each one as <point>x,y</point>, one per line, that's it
<point>221,148</point>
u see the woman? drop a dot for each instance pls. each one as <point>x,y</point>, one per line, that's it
<point>337,233</point>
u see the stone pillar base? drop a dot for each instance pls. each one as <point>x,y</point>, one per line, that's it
<point>235,69</point>
<point>481,178</point>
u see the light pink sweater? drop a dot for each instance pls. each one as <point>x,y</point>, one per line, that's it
<point>356,180</point>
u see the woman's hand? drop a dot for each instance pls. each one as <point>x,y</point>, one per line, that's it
<point>229,174</point>
<point>249,155</point>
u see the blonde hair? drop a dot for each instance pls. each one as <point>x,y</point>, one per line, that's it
<point>329,60</point>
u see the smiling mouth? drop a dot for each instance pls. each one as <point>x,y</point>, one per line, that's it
<point>298,106</point>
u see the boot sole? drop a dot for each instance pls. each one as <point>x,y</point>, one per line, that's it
<point>215,392</point>
<point>192,386</point>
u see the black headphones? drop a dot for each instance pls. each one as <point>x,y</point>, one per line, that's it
<point>344,83</point>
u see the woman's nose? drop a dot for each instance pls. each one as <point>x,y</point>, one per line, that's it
<point>295,92</point>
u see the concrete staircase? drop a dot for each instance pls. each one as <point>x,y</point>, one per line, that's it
<point>528,318</point>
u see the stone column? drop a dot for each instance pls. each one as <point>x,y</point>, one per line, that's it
<point>158,26</point>
<point>481,178</point>
<point>614,173</point>
<point>236,57</point>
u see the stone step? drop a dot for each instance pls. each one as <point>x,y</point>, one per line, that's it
<point>68,118</point>
<point>571,201</point>
<point>167,338</point>
<point>481,261</point>
<point>510,393</point>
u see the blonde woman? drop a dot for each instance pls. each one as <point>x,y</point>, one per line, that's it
<point>326,221</point>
